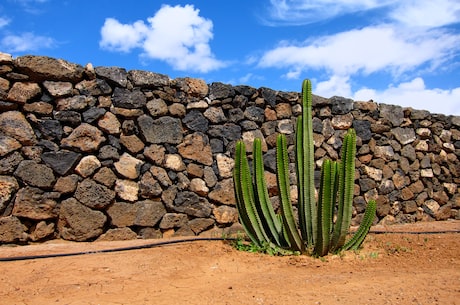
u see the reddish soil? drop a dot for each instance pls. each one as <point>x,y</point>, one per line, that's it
<point>396,268</point>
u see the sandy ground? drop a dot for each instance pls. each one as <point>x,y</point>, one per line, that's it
<point>397,268</point>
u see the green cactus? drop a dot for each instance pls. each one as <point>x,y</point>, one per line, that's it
<point>245,198</point>
<point>282,169</point>
<point>264,206</point>
<point>317,230</point>
<point>305,167</point>
<point>345,191</point>
<point>326,202</point>
<point>355,242</point>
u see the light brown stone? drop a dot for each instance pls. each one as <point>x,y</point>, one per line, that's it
<point>58,89</point>
<point>225,214</point>
<point>7,145</point>
<point>196,147</point>
<point>15,125</point>
<point>8,187</point>
<point>21,93</point>
<point>225,165</point>
<point>198,186</point>
<point>128,166</point>
<point>85,137</point>
<point>87,166</point>
<point>174,162</point>
<point>132,143</point>
<point>109,123</point>
<point>127,189</point>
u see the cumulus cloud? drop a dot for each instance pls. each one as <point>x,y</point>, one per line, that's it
<point>412,36</point>
<point>177,35</point>
<point>122,37</point>
<point>336,85</point>
<point>407,40</point>
<point>413,93</point>
<point>426,13</point>
<point>366,50</point>
<point>26,42</point>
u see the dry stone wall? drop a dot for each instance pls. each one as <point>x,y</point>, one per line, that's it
<point>104,153</point>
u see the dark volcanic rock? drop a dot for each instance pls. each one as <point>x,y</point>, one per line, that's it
<point>196,121</point>
<point>124,98</point>
<point>114,75</point>
<point>147,79</point>
<point>35,174</point>
<point>363,129</point>
<point>78,222</point>
<point>394,114</point>
<point>220,91</point>
<point>341,105</point>
<point>94,195</point>
<point>61,161</point>
<point>192,204</point>
<point>162,130</point>
<point>50,129</point>
<point>269,95</point>
<point>72,118</point>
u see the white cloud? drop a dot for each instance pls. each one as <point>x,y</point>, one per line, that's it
<point>293,74</point>
<point>412,94</point>
<point>336,85</point>
<point>177,35</point>
<point>122,37</point>
<point>409,12</point>
<point>411,39</point>
<point>366,50</point>
<point>295,12</point>
<point>427,13</point>
<point>415,94</point>
<point>26,42</point>
<point>4,22</point>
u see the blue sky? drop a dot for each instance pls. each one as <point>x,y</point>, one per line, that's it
<point>402,52</point>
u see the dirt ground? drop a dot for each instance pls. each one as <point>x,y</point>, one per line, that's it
<point>397,268</point>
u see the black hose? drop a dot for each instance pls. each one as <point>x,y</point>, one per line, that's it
<point>146,246</point>
<point>177,241</point>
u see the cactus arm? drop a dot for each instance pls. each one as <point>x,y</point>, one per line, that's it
<point>240,155</point>
<point>265,208</point>
<point>322,244</point>
<point>306,167</point>
<point>282,164</point>
<point>246,201</point>
<point>346,190</point>
<point>355,242</point>
<point>304,229</point>
<point>326,199</point>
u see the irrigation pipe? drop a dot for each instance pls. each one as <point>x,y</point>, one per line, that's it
<point>177,241</point>
<point>145,246</point>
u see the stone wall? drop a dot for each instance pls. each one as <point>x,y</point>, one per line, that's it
<point>104,153</point>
